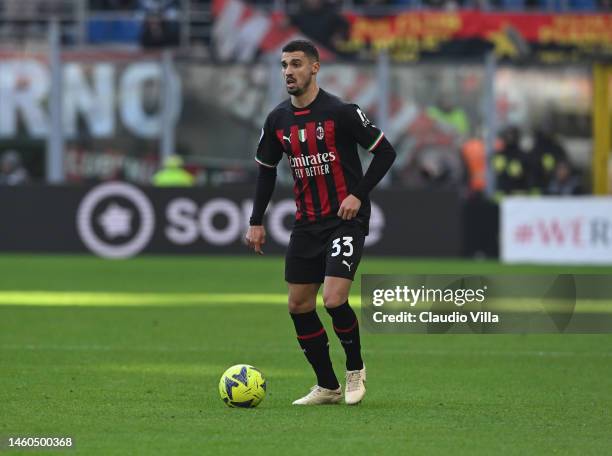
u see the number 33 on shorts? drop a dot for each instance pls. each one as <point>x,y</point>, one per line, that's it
<point>344,251</point>
<point>347,241</point>
<point>344,257</point>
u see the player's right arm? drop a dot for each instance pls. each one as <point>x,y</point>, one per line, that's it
<point>269,153</point>
<point>256,234</point>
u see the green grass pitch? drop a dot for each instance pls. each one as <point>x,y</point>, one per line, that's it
<point>125,357</point>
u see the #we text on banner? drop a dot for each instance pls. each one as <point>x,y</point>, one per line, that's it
<point>575,230</point>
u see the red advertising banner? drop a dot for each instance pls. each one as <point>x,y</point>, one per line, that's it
<point>242,32</point>
<point>512,35</point>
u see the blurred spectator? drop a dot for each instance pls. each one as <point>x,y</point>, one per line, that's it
<point>160,24</point>
<point>511,165</point>
<point>565,181</point>
<point>158,32</point>
<point>475,158</point>
<point>447,113</point>
<point>450,5</point>
<point>480,214</point>
<point>320,21</point>
<point>168,9</point>
<point>435,172</point>
<point>377,8</point>
<point>12,171</point>
<point>440,168</point>
<point>544,155</point>
<point>573,5</point>
<point>113,5</point>
<point>172,174</point>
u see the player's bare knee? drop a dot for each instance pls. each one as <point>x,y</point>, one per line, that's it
<point>302,297</point>
<point>297,306</point>
<point>334,298</point>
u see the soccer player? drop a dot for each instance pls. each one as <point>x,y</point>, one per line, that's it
<point>319,134</point>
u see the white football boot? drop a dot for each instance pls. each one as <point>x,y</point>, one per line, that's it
<point>355,386</point>
<point>319,395</point>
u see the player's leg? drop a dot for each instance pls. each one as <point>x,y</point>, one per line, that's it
<point>304,273</point>
<point>314,342</point>
<point>345,247</point>
<point>346,326</point>
<point>311,335</point>
<point>343,257</point>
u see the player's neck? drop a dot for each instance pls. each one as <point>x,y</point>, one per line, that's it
<point>307,97</point>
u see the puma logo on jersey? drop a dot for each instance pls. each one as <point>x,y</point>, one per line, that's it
<point>287,138</point>
<point>347,264</point>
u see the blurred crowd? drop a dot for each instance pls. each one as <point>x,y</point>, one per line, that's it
<point>153,23</point>
<point>157,23</point>
<point>548,5</point>
<point>542,168</point>
<point>320,20</point>
<point>537,166</point>
<point>447,152</point>
<point>147,6</point>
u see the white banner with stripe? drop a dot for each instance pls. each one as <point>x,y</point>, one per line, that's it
<point>562,230</point>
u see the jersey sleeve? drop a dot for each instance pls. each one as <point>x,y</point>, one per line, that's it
<point>269,149</point>
<point>361,128</point>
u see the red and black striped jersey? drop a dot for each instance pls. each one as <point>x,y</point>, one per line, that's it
<point>320,142</point>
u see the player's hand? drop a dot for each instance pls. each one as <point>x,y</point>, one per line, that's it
<point>349,207</point>
<point>256,237</point>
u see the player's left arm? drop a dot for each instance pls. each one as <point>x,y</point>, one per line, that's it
<point>371,138</point>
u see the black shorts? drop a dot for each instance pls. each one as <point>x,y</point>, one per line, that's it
<point>330,248</point>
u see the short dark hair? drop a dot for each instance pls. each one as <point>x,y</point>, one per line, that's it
<point>302,45</point>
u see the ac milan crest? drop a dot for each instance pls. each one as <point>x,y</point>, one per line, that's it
<point>320,133</point>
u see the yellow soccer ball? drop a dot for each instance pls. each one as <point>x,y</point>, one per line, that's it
<point>242,386</point>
